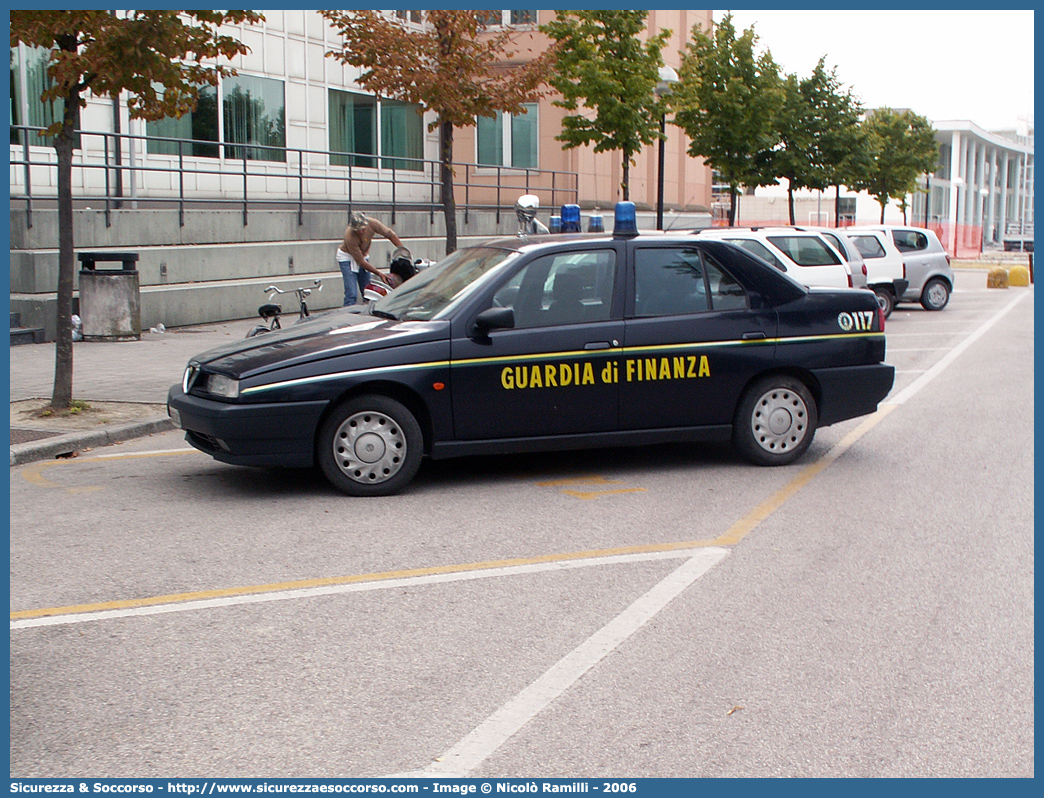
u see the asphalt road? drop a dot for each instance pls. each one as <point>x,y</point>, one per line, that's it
<point>657,612</point>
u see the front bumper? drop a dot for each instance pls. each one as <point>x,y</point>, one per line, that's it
<point>280,434</point>
<point>852,391</point>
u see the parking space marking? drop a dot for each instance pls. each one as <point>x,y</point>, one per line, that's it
<point>33,473</point>
<point>352,584</point>
<point>474,748</point>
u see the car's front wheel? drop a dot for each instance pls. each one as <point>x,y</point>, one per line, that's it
<point>370,446</point>
<point>935,294</point>
<point>775,421</point>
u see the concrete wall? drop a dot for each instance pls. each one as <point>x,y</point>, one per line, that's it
<point>215,268</point>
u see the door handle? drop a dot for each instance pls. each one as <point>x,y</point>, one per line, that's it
<point>753,336</point>
<point>597,345</point>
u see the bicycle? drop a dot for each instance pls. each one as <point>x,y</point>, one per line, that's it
<point>270,311</point>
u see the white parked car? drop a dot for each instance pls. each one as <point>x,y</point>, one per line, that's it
<point>838,240</point>
<point>885,270</point>
<point>926,263</point>
<point>802,254</point>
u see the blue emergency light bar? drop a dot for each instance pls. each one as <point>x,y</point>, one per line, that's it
<point>625,222</point>
<point>571,219</point>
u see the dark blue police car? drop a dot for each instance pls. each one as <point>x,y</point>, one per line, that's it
<point>540,343</point>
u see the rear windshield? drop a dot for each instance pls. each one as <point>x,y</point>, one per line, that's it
<point>868,246</point>
<point>805,250</point>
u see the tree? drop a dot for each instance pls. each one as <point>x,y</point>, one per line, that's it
<point>726,103</point>
<point>816,127</point>
<point>449,67</point>
<point>603,63</point>
<point>156,56</point>
<point>899,147</point>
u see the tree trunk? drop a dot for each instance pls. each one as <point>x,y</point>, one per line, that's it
<point>61,397</point>
<point>837,205</point>
<point>790,201</point>
<point>883,205</point>
<point>449,202</point>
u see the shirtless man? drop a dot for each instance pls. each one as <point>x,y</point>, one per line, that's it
<point>353,254</point>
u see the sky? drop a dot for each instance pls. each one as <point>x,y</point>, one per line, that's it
<point>945,65</point>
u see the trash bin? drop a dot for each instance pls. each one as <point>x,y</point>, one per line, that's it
<point>110,299</point>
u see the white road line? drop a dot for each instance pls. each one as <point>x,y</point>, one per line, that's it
<point>893,349</point>
<point>470,752</point>
<point>354,587</point>
<point>933,372</point>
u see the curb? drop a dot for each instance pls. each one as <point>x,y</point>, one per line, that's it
<point>70,442</point>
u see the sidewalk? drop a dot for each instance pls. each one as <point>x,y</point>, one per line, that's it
<point>125,382</point>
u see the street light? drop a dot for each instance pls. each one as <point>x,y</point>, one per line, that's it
<point>668,77</point>
<point>984,193</point>
<point>957,182</point>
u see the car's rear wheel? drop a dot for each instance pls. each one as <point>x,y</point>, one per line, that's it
<point>885,301</point>
<point>370,446</point>
<point>775,421</point>
<point>935,294</point>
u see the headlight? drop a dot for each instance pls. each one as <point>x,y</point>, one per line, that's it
<point>220,385</point>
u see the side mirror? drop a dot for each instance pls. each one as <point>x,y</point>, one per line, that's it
<point>494,319</point>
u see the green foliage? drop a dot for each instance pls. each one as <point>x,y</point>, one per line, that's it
<point>727,104</point>
<point>898,147</point>
<point>817,126</point>
<point>157,57</point>
<point>451,67</point>
<point>604,66</point>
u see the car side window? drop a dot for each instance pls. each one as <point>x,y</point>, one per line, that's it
<point>668,282</point>
<point>725,292</point>
<point>563,288</point>
<point>805,250</point>
<point>868,246</point>
<point>838,245</point>
<point>759,249</point>
<point>909,240</point>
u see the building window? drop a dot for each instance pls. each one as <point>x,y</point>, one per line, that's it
<point>29,80</point>
<point>354,122</point>
<point>416,16</point>
<point>402,136</point>
<point>507,17</point>
<point>254,113</point>
<point>353,128</point>
<point>194,128</point>
<point>508,139</point>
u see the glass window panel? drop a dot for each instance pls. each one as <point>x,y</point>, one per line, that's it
<point>402,135</point>
<point>490,134</point>
<point>353,129</point>
<point>37,81</point>
<point>525,17</point>
<point>524,131</point>
<point>759,249</point>
<point>197,127</point>
<point>725,292</point>
<point>254,114</point>
<point>668,282</point>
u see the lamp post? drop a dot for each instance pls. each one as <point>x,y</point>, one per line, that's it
<point>668,77</point>
<point>927,196</point>
<point>957,183</point>
<point>984,193</point>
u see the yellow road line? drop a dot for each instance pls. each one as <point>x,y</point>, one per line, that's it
<point>733,535</point>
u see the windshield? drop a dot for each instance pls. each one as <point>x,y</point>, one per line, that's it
<point>434,291</point>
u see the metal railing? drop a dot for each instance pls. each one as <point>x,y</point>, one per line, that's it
<point>117,168</point>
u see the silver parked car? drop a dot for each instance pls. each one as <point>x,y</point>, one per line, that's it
<point>926,263</point>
